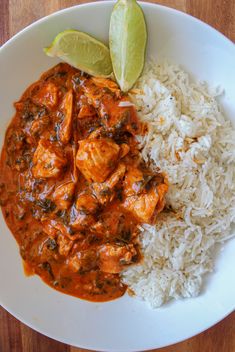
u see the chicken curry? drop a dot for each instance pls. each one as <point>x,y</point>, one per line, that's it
<point>73,186</point>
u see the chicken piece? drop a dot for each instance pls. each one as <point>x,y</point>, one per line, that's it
<point>82,214</point>
<point>64,245</point>
<point>67,110</point>
<point>133,182</point>
<point>87,203</point>
<point>136,181</point>
<point>48,249</point>
<point>97,133</point>
<point>113,258</point>
<point>105,96</point>
<point>108,225</point>
<point>97,158</point>
<point>47,95</point>
<point>48,228</point>
<point>96,87</point>
<point>42,246</point>
<point>38,126</point>
<point>115,224</point>
<point>145,206</point>
<point>63,195</point>
<point>92,94</point>
<point>48,160</point>
<point>98,228</point>
<point>83,261</point>
<point>105,192</point>
<point>81,221</point>
<point>86,110</point>
<point>124,150</point>
<point>106,83</point>
<point>54,228</point>
<point>121,118</point>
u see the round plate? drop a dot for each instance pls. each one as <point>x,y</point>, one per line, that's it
<point>126,324</point>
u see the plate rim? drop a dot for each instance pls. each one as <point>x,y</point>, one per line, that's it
<point>101,3</point>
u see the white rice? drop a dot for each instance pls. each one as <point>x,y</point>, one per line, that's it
<point>194,144</point>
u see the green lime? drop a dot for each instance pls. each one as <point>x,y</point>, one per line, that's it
<point>81,51</point>
<point>127,42</point>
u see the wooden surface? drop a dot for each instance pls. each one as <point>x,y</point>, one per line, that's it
<point>15,15</point>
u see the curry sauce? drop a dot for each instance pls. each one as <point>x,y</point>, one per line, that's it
<point>73,186</point>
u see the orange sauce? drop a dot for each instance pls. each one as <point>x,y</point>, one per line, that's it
<point>30,207</point>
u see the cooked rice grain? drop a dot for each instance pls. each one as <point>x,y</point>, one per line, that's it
<point>191,141</point>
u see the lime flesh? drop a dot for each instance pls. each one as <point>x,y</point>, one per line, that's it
<point>127,42</point>
<point>82,51</point>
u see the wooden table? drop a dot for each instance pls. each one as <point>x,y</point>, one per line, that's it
<point>15,15</point>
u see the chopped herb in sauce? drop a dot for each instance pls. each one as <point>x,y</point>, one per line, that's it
<point>72,193</point>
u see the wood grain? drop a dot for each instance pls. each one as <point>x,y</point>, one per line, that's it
<point>15,15</point>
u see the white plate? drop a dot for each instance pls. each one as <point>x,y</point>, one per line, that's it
<point>125,324</point>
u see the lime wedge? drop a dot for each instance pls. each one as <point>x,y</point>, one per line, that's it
<point>81,51</point>
<point>127,42</point>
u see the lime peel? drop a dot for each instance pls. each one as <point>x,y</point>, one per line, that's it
<point>82,51</point>
<point>127,41</point>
